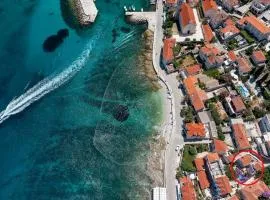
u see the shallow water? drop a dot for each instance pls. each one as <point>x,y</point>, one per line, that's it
<point>68,145</point>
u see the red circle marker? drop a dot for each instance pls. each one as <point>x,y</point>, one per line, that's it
<point>233,161</point>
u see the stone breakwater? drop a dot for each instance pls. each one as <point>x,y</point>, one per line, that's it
<point>85,11</point>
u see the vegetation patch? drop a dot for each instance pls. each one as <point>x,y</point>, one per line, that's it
<point>249,38</point>
<point>189,155</point>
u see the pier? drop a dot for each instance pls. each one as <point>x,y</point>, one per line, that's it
<point>140,17</point>
<point>86,11</point>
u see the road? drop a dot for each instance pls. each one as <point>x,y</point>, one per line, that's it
<point>174,138</point>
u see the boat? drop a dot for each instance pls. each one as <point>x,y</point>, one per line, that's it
<point>133,8</point>
<point>125,8</point>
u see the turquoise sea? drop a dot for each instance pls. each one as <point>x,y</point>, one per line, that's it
<point>67,144</point>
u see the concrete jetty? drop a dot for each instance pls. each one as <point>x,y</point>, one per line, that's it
<point>141,18</point>
<point>86,11</point>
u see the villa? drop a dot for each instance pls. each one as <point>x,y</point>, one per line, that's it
<point>256,27</point>
<point>230,5</point>
<point>258,6</point>
<point>167,53</point>
<point>240,136</point>
<point>187,19</point>
<point>243,66</point>
<point>258,57</point>
<point>209,6</point>
<point>207,33</point>
<point>195,131</point>
<point>228,32</point>
<point>211,56</point>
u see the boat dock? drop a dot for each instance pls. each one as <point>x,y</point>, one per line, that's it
<point>86,11</point>
<point>141,17</point>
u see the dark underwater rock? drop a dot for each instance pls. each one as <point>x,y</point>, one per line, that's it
<point>121,113</point>
<point>54,41</point>
<point>125,29</point>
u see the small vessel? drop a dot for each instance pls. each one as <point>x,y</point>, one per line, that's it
<point>133,8</point>
<point>125,8</point>
<point>141,9</point>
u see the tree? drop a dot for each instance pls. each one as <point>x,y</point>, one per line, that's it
<point>266,105</point>
<point>221,136</point>
<point>192,150</point>
<point>258,72</point>
<point>266,176</point>
<point>258,112</point>
<point>215,114</point>
<point>228,172</point>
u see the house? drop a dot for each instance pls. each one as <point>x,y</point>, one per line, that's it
<point>258,6</point>
<point>232,56</point>
<point>206,118</point>
<point>209,6</point>
<point>167,53</point>
<point>256,27</point>
<point>264,123</point>
<point>171,4</point>
<point>228,32</point>
<point>258,57</point>
<point>254,191</point>
<point>240,136</point>
<point>187,189</point>
<point>203,180</point>
<point>187,19</point>
<point>193,70</point>
<point>217,18</point>
<point>199,164</point>
<point>195,131</point>
<point>211,56</point>
<point>243,66</point>
<point>230,5</point>
<point>219,147</point>
<point>244,161</point>
<point>196,96</point>
<point>223,183</point>
<point>207,33</point>
<point>235,105</point>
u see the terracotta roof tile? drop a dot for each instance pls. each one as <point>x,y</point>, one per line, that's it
<point>224,185</point>
<point>212,157</point>
<point>195,129</point>
<point>168,48</point>
<point>246,160</point>
<point>208,5</point>
<point>203,180</point>
<point>193,70</point>
<point>186,15</point>
<point>243,65</point>
<point>252,192</point>
<point>240,136</point>
<point>232,56</point>
<point>229,29</point>
<point>253,21</point>
<point>199,163</point>
<point>196,95</point>
<point>187,189</point>
<point>258,56</point>
<point>238,104</point>
<point>207,33</point>
<point>220,146</point>
<point>171,1</point>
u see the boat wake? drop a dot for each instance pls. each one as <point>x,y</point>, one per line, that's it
<point>44,87</point>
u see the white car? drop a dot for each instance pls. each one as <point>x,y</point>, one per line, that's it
<point>177,148</point>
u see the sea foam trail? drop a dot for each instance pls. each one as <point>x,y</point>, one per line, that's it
<point>44,87</point>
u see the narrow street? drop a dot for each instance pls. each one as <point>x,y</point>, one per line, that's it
<point>175,137</point>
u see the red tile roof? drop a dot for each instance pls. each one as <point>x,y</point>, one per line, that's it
<point>243,65</point>
<point>203,180</point>
<point>195,129</point>
<point>252,192</point>
<point>211,53</point>
<point>207,33</point>
<point>232,56</point>
<point>171,1</point>
<point>212,157</point>
<point>238,104</point>
<point>220,146</point>
<point>208,5</point>
<point>229,21</point>
<point>199,163</point>
<point>187,189</point>
<point>186,15</point>
<point>224,185</point>
<point>256,23</point>
<point>196,95</point>
<point>246,160</point>
<point>229,29</point>
<point>240,136</point>
<point>193,70</point>
<point>258,166</point>
<point>168,49</point>
<point>258,56</point>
